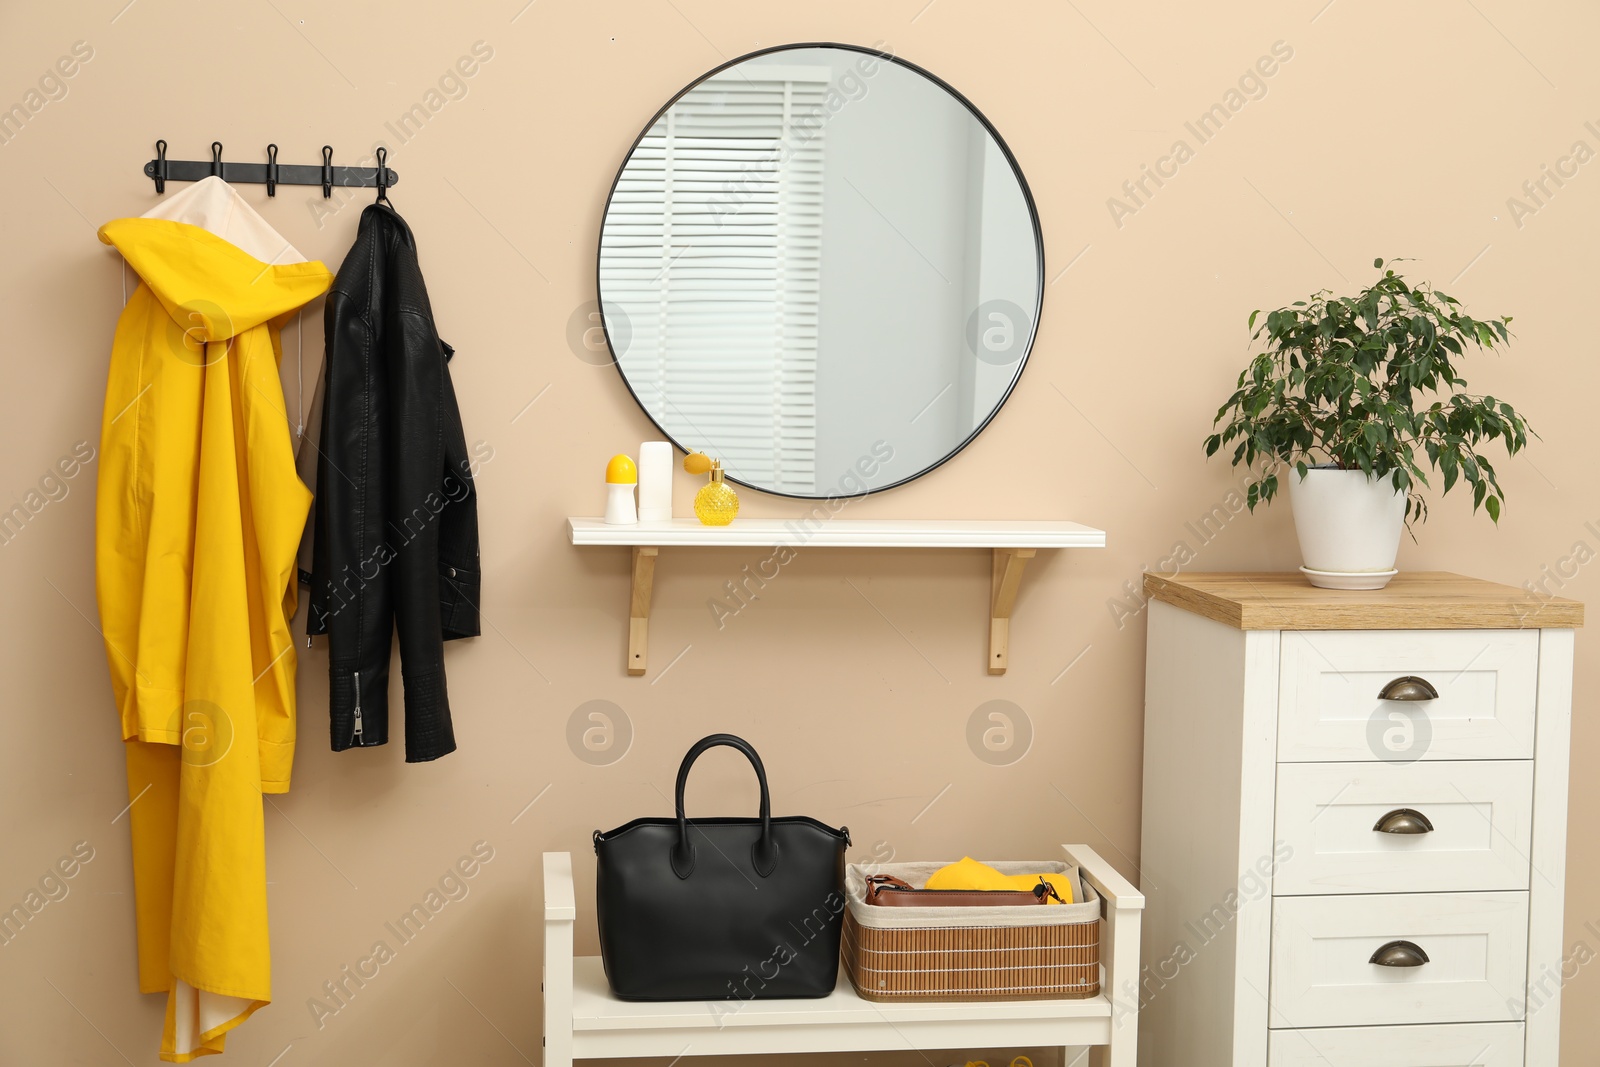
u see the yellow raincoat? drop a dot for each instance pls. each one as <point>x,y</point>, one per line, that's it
<point>199,513</point>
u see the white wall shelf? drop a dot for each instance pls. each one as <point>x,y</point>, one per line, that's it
<point>582,1020</point>
<point>841,533</point>
<point>1012,543</point>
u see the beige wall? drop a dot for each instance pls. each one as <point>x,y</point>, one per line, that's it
<point>1395,130</point>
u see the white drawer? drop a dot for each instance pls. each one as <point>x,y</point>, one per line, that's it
<point>1329,683</point>
<point>1462,1045</point>
<point>1322,974</point>
<point>1481,814</point>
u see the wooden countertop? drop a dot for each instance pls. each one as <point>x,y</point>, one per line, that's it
<point>1417,600</point>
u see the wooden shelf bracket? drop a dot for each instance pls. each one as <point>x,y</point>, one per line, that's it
<point>644,576</point>
<point>1008,564</point>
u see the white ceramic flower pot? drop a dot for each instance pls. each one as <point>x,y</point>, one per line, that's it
<point>1349,527</point>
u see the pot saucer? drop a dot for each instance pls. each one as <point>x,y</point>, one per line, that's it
<point>1348,579</point>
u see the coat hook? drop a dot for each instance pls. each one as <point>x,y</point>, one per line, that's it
<point>272,173</point>
<point>383,177</point>
<point>272,170</point>
<point>161,167</point>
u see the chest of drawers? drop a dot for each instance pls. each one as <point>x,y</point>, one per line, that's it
<point>1354,823</point>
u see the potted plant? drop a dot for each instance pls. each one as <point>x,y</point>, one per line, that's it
<point>1360,397</point>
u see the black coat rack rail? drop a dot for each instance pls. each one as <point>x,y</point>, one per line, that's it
<point>272,174</point>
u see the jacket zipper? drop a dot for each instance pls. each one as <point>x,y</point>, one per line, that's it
<point>357,737</point>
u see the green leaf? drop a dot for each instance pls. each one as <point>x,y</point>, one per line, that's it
<point>1492,505</point>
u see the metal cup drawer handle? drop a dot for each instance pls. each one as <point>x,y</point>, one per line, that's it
<point>1404,821</point>
<point>1399,954</point>
<point>1409,688</point>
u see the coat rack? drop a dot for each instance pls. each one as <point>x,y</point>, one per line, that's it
<point>162,170</point>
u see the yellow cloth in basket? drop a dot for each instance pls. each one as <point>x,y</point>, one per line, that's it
<point>971,874</point>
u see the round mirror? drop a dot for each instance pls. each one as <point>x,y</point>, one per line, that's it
<point>821,265</point>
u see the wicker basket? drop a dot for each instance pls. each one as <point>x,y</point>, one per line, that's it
<point>971,953</point>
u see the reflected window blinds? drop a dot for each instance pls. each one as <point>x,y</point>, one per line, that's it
<point>715,228</point>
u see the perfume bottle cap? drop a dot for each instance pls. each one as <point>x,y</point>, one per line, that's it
<point>716,471</point>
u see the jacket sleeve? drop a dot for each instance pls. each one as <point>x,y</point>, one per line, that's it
<point>460,580</point>
<point>352,586</point>
<point>417,506</point>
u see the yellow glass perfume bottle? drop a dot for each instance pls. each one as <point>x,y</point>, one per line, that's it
<point>716,503</point>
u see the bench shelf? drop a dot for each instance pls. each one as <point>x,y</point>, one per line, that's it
<point>582,1020</point>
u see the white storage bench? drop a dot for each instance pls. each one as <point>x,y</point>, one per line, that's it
<point>582,1020</point>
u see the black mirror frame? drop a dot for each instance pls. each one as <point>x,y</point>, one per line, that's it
<point>1027,199</point>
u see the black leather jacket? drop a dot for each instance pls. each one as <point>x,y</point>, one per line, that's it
<point>397,513</point>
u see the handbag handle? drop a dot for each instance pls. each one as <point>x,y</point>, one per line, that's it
<point>764,853</point>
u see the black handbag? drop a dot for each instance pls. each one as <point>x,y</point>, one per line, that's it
<point>724,908</point>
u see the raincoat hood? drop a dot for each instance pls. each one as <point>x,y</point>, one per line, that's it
<point>209,285</point>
